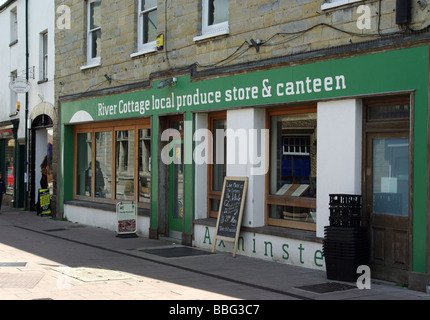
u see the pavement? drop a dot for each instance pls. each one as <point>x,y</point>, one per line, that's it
<point>46,259</point>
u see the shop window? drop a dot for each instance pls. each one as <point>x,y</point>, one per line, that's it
<point>124,164</point>
<point>218,167</point>
<point>106,156</point>
<point>144,163</point>
<point>83,164</point>
<point>103,165</point>
<point>291,199</point>
<point>147,25</point>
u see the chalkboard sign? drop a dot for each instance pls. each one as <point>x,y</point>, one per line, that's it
<point>231,210</point>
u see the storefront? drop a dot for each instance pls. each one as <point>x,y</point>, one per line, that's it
<point>355,125</point>
<point>7,163</point>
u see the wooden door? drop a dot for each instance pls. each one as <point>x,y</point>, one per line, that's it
<point>387,204</point>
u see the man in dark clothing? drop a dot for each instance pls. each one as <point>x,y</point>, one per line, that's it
<point>2,189</point>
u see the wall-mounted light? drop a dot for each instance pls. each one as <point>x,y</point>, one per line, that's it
<point>167,82</point>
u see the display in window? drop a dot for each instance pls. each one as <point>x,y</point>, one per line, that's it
<point>103,165</point>
<point>293,167</point>
<point>124,164</point>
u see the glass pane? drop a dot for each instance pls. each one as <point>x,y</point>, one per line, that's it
<point>293,155</point>
<point>218,11</point>
<point>95,43</point>
<point>144,165</point>
<point>148,4</point>
<point>95,15</point>
<point>219,154</point>
<point>292,213</point>
<point>103,168</point>
<point>391,176</point>
<point>177,178</point>
<point>83,164</point>
<point>150,26</point>
<point>398,111</point>
<point>124,164</point>
<point>293,163</point>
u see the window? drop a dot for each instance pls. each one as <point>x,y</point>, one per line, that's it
<point>217,169</point>
<point>13,26</point>
<point>144,163</point>
<point>106,156</point>
<point>94,31</point>
<point>147,25</point>
<point>43,56</point>
<point>215,15</point>
<point>291,199</point>
<point>13,94</point>
<point>124,164</point>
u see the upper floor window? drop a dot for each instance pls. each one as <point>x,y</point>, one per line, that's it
<point>43,56</point>
<point>13,26</point>
<point>215,17</point>
<point>93,31</point>
<point>147,25</point>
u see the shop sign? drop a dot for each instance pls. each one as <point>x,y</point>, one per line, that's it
<point>231,211</point>
<point>45,202</point>
<point>127,219</point>
<point>368,74</point>
<point>20,85</point>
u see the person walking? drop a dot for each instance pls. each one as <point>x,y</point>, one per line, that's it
<point>2,189</point>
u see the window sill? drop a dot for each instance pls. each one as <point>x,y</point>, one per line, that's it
<point>209,35</point>
<point>91,65</point>
<point>282,232</point>
<point>335,4</point>
<point>143,52</point>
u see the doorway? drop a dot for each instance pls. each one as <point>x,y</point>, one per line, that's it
<point>387,186</point>
<point>172,188</point>
<point>42,136</point>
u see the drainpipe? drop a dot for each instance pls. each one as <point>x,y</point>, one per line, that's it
<point>26,110</point>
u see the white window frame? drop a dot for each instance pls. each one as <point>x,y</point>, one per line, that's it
<point>336,3</point>
<point>13,25</point>
<point>43,70</point>
<point>214,30</point>
<point>91,61</point>
<point>141,46</point>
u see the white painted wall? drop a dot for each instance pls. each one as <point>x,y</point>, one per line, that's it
<point>339,130</point>
<point>201,171</point>
<point>13,57</point>
<point>102,219</point>
<point>254,159</point>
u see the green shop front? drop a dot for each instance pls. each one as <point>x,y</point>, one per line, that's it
<point>353,125</point>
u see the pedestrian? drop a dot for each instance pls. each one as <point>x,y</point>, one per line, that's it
<point>2,189</point>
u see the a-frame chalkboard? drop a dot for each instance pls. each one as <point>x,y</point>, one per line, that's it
<point>231,210</point>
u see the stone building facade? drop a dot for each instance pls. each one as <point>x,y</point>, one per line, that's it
<point>323,82</point>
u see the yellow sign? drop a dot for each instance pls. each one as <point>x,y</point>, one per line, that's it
<point>44,201</point>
